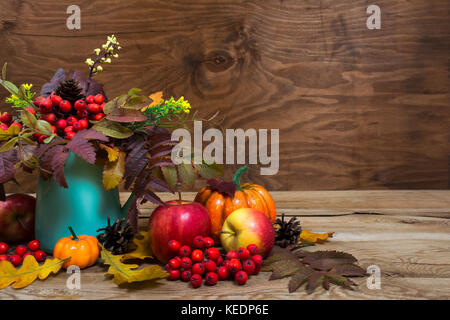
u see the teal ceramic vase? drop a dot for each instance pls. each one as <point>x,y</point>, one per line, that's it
<point>84,206</point>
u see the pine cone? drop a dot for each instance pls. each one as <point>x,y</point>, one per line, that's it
<point>116,238</point>
<point>69,90</point>
<point>287,233</point>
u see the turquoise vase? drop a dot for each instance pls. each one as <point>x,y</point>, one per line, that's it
<point>84,206</point>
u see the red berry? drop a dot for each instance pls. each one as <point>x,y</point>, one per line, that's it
<point>15,124</point>
<point>3,247</point>
<point>68,129</point>
<point>241,277</point>
<point>50,118</point>
<point>210,266</point>
<point>47,104</point>
<point>31,110</point>
<point>212,253</point>
<point>223,273</point>
<point>232,255</point>
<point>77,126</point>
<point>71,120</point>
<point>197,255</point>
<point>20,250</point>
<point>196,280</point>
<point>4,257</point>
<point>99,116</point>
<point>65,106</point>
<point>90,99</point>
<point>79,105</point>
<point>56,100</point>
<point>41,138</point>
<point>82,114</point>
<point>38,101</point>
<point>219,261</point>
<point>84,124</point>
<point>243,253</point>
<point>185,251</point>
<point>93,108</point>
<point>173,245</point>
<point>102,106</point>
<point>186,263</point>
<point>34,245</point>
<point>248,266</point>
<point>252,248</point>
<point>174,264</point>
<point>174,274</point>
<point>234,265</point>
<point>198,268</point>
<point>98,99</point>
<point>257,259</point>
<point>211,279</point>
<point>61,124</point>
<point>6,118</point>
<point>70,135</point>
<point>198,242</point>
<point>15,259</point>
<point>40,255</point>
<point>186,275</point>
<point>208,242</point>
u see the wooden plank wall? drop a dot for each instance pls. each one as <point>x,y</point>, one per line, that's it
<point>356,108</point>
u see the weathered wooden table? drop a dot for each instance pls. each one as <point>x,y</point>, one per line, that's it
<point>405,233</point>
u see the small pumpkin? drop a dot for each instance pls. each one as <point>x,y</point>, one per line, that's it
<point>83,250</point>
<point>221,198</point>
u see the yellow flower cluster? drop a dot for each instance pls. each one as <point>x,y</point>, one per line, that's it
<point>109,51</point>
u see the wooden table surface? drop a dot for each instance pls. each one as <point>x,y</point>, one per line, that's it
<point>405,233</point>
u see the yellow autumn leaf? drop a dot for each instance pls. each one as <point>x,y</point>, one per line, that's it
<point>12,131</point>
<point>113,172</point>
<point>113,153</point>
<point>127,273</point>
<point>156,97</point>
<point>143,250</point>
<point>306,235</point>
<point>28,272</point>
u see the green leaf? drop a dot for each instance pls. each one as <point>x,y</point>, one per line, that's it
<point>28,119</point>
<point>134,91</point>
<point>11,87</point>
<point>170,175</point>
<point>113,129</point>
<point>187,174</point>
<point>113,172</point>
<point>4,71</point>
<point>49,139</point>
<point>209,171</point>
<point>126,115</point>
<point>43,127</point>
<point>22,93</point>
<point>27,140</point>
<point>9,144</point>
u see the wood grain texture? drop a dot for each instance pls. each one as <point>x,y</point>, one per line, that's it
<point>356,108</point>
<point>411,251</point>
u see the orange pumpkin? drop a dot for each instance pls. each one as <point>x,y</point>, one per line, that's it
<point>83,250</point>
<point>222,198</point>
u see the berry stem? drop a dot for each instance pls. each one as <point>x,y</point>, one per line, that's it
<point>74,236</point>
<point>237,177</point>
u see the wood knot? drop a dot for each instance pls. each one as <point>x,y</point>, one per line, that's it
<point>218,61</point>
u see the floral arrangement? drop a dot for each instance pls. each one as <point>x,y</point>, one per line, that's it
<point>128,135</point>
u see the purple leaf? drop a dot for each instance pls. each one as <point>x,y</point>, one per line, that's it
<point>59,157</point>
<point>228,188</point>
<point>82,148</point>
<point>7,161</point>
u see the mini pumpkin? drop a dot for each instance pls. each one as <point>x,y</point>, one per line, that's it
<point>83,250</point>
<point>221,198</point>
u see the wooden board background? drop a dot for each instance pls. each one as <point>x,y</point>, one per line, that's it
<point>356,108</point>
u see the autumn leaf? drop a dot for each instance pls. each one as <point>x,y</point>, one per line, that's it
<point>156,97</point>
<point>28,272</point>
<point>128,273</point>
<point>313,268</point>
<point>113,152</point>
<point>306,235</point>
<point>143,250</point>
<point>113,172</point>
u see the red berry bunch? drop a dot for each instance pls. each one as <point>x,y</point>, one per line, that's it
<point>6,121</point>
<point>67,119</point>
<point>21,252</point>
<point>202,261</point>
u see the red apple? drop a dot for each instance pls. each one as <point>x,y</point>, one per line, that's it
<point>176,220</point>
<point>17,218</point>
<point>247,226</point>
